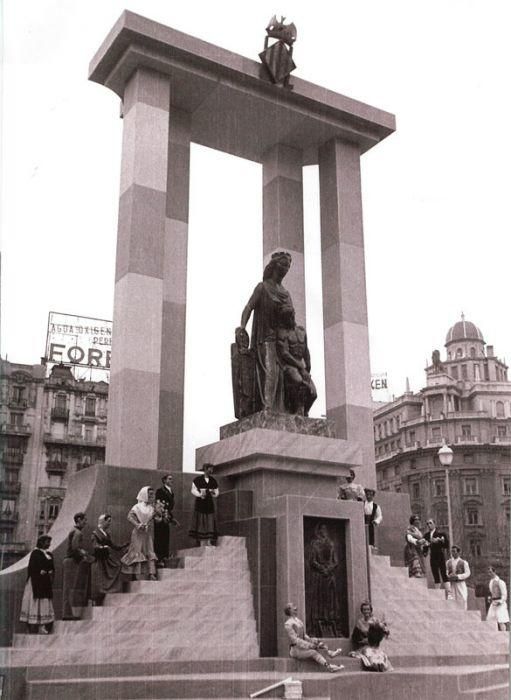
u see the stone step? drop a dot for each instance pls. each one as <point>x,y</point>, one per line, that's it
<point>484,678</point>
<point>491,692</point>
<point>130,615</point>
<point>171,686</point>
<point>180,634</point>
<point>124,656</point>
<point>166,598</point>
<point>159,610</point>
<point>426,683</point>
<point>192,584</point>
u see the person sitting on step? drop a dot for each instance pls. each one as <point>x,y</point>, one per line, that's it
<point>359,637</point>
<point>372,658</point>
<point>303,647</point>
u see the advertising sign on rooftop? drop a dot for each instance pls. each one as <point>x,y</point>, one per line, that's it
<point>79,341</point>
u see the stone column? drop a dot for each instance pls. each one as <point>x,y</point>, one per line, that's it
<point>170,444</point>
<point>347,368</point>
<point>150,277</point>
<point>283,217</point>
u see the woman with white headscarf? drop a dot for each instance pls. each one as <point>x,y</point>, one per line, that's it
<point>140,558</point>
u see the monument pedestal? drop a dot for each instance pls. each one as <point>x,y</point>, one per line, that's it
<point>284,487</point>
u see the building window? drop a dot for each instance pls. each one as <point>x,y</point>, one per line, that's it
<point>439,487</point>
<point>454,372</point>
<point>477,373</point>
<point>472,352</point>
<point>441,518</point>
<point>464,374</point>
<point>470,486</point>
<point>17,393</point>
<point>475,548</point>
<point>466,431</point>
<point>459,352</point>
<point>506,485</point>
<point>472,516</point>
<point>89,434</point>
<point>397,470</point>
<point>8,505</point>
<point>16,419</point>
<point>398,422</point>
<point>411,436</point>
<point>61,401</point>
<point>90,406</point>
<point>53,510</point>
<point>468,458</point>
<point>413,464</point>
<point>499,409</point>
<point>416,490</point>
<point>436,434</point>
<point>56,455</point>
<point>501,431</point>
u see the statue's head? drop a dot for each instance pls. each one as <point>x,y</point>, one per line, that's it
<point>287,316</point>
<point>279,265</point>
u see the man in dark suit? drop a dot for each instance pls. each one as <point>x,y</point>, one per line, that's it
<point>165,498</point>
<point>437,545</point>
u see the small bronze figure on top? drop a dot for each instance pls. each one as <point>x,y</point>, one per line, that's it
<point>278,58</point>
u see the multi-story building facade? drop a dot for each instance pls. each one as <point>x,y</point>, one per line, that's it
<point>466,403</point>
<point>50,427</point>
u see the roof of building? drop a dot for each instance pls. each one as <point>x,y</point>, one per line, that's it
<point>463,330</point>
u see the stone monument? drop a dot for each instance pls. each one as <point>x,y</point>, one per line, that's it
<point>280,465</point>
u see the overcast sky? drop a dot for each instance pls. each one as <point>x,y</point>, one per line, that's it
<point>436,193</point>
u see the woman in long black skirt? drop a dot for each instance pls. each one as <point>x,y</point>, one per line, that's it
<point>205,490</point>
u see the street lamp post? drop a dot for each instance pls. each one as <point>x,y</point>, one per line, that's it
<point>445,455</point>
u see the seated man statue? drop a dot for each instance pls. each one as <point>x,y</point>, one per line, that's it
<point>294,358</point>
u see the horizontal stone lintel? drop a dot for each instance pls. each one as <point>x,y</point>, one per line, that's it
<point>273,449</point>
<point>218,87</point>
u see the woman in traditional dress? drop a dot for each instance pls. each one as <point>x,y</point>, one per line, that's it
<point>373,658</point>
<point>106,568</point>
<point>414,558</point>
<point>324,598</point>
<point>140,559</point>
<point>205,490</point>
<point>37,606</point>
<point>497,611</point>
<point>359,637</point>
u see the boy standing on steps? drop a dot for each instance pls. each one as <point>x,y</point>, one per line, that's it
<point>458,571</point>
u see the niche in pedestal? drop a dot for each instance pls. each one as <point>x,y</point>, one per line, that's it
<point>326,599</point>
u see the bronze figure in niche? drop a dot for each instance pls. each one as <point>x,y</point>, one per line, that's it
<point>325,578</point>
<point>276,366</point>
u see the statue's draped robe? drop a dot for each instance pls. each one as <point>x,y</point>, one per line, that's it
<point>267,300</point>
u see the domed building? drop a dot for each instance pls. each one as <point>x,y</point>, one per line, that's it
<point>467,403</point>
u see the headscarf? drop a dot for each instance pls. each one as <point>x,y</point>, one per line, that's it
<point>144,511</point>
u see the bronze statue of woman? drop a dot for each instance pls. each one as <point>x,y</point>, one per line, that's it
<point>266,301</point>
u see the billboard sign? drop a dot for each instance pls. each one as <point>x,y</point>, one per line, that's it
<point>380,387</point>
<point>79,341</point>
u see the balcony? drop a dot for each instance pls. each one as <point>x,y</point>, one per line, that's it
<point>13,455</point>
<point>60,413</point>
<point>10,488</point>
<point>18,403</point>
<point>467,439</point>
<point>19,548</point>
<point>9,517</point>
<point>503,440</point>
<point>79,440</point>
<point>56,466</point>
<point>14,429</point>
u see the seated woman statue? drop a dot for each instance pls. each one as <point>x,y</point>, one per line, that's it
<point>294,358</point>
